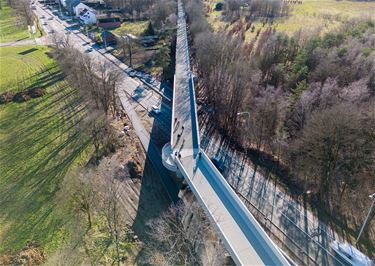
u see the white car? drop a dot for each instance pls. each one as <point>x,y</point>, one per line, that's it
<point>155,109</point>
<point>50,18</point>
<point>350,254</point>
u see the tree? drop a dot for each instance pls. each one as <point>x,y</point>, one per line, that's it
<point>174,240</point>
<point>150,30</point>
<point>78,195</point>
<point>25,16</point>
<point>336,143</point>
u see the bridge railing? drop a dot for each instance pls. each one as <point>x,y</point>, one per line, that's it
<point>194,115</point>
<point>244,213</point>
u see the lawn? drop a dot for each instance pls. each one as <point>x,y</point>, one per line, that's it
<point>25,62</point>
<point>9,30</point>
<point>323,15</point>
<point>136,28</point>
<point>39,144</point>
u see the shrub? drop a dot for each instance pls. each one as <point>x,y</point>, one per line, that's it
<point>36,92</point>
<point>6,97</point>
<point>21,97</point>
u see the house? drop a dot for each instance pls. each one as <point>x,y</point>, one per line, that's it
<point>108,38</point>
<point>108,23</point>
<point>95,1</point>
<point>88,17</point>
<point>70,4</point>
<point>79,8</point>
<point>86,14</point>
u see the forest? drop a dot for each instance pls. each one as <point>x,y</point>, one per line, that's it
<point>309,99</point>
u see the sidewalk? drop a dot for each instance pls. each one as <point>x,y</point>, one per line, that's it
<point>36,41</point>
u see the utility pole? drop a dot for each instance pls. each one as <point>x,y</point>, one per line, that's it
<point>372,197</point>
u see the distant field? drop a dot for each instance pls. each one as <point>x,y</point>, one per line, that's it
<point>136,28</point>
<point>21,64</point>
<point>9,30</point>
<point>323,15</point>
<point>39,145</point>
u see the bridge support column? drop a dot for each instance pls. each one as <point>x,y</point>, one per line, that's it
<point>168,159</point>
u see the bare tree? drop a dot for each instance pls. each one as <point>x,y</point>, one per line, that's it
<point>78,193</point>
<point>336,144</point>
<point>24,13</point>
<point>176,237</point>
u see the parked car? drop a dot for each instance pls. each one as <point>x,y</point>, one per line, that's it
<point>50,18</point>
<point>42,16</point>
<point>155,109</point>
<point>132,73</point>
<point>44,23</point>
<point>219,164</point>
<point>350,254</point>
<point>89,50</point>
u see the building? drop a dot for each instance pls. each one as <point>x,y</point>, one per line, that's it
<point>86,14</point>
<point>108,38</point>
<point>79,8</point>
<point>70,4</point>
<point>88,17</point>
<point>108,22</point>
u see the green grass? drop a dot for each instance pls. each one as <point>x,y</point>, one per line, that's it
<point>136,28</point>
<point>9,30</point>
<point>322,15</point>
<point>39,144</point>
<point>20,65</point>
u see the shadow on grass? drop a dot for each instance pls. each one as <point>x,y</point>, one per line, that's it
<point>40,143</point>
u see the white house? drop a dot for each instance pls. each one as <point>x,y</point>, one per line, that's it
<point>88,17</point>
<point>81,7</point>
<point>85,13</point>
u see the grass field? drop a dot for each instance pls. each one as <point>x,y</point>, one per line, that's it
<point>39,145</point>
<point>321,15</point>
<point>9,30</point>
<point>25,62</point>
<point>136,28</point>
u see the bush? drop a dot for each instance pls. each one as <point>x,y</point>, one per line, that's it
<point>6,97</point>
<point>36,92</point>
<point>219,6</point>
<point>21,97</point>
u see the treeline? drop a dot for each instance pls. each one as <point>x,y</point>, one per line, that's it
<point>23,12</point>
<point>308,103</point>
<point>97,85</point>
<point>161,12</point>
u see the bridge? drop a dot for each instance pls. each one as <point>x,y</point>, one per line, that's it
<point>242,235</point>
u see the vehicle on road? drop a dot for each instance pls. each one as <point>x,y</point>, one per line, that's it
<point>42,16</point>
<point>44,23</point>
<point>89,50</point>
<point>219,164</point>
<point>51,31</point>
<point>350,254</point>
<point>50,18</point>
<point>155,109</point>
<point>132,73</point>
